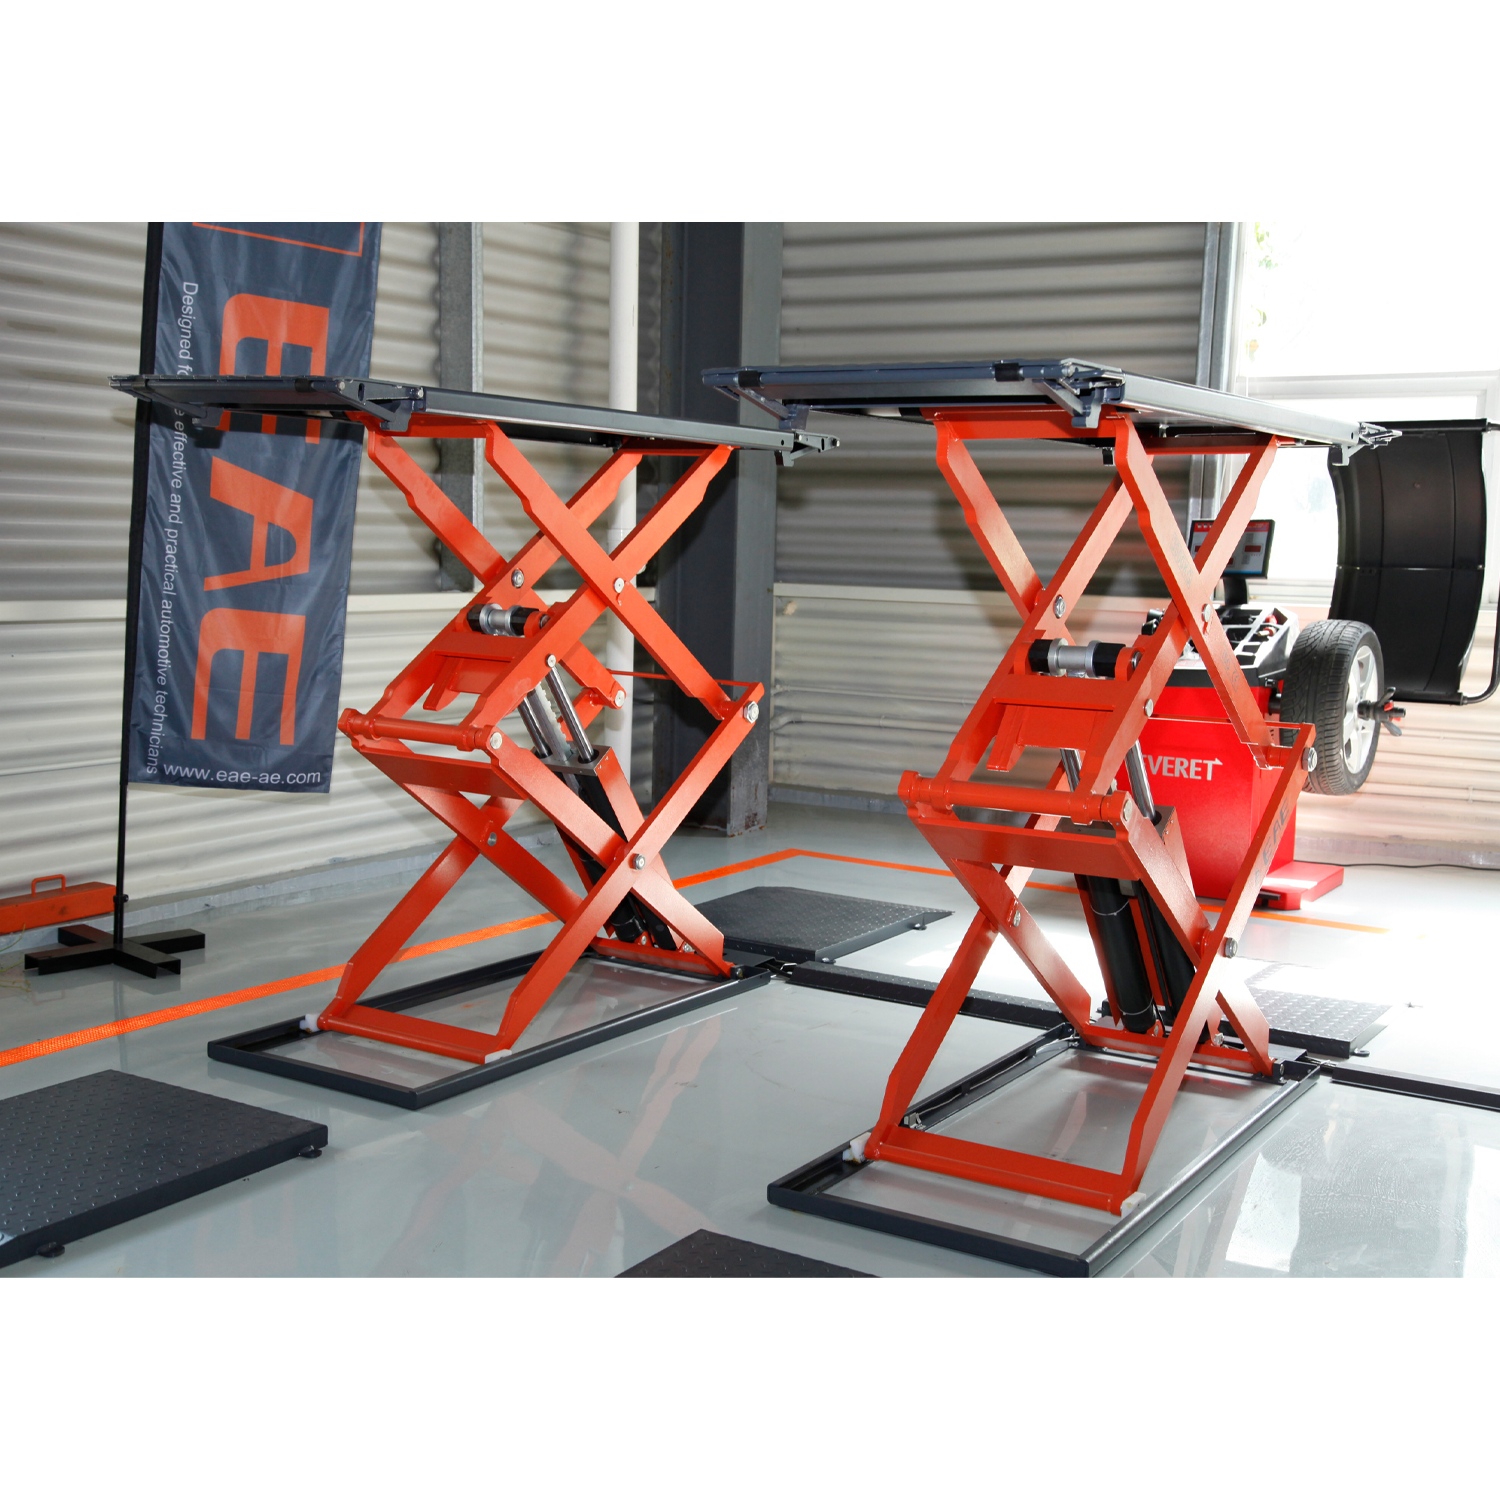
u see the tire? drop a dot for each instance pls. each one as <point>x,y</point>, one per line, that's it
<point>1335,664</point>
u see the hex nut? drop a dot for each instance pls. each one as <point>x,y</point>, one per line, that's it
<point>637,861</point>
<point>517,579</point>
<point>1310,760</point>
<point>751,712</point>
<point>1230,947</point>
<point>1059,606</point>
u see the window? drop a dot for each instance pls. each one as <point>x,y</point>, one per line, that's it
<point>1375,319</point>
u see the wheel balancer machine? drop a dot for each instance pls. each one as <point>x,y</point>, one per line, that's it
<point>506,650</point>
<point>1168,985</point>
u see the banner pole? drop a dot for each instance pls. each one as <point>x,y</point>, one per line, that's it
<point>141,477</point>
<point>81,946</point>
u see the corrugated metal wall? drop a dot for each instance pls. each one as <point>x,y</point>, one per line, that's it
<point>70,317</point>
<point>546,335</point>
<point>889,619</point>
<point>877,511</point>
<point>60,683</point>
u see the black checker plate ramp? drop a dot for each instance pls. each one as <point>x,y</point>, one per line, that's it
<point>705,1253</point>
<point>1332,1028</point>
<point>798,925</point>
<point>84,1155</point>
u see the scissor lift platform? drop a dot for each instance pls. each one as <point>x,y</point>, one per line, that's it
<point>517,667</point>
<point>1180,1027</point>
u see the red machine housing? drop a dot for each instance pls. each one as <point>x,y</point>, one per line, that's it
<point>1197,764</point>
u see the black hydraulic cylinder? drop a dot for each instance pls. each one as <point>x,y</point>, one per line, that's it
<point>1120,951</point>
<point>1173,965</point>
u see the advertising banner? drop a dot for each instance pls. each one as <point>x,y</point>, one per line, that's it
<point>249,528</point>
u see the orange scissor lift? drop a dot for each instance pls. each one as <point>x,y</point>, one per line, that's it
<point>1095,818</point>
<point>507,650</point>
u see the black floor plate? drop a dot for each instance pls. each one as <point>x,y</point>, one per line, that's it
<point>1328,1028</point>
<point>705,1253</point>
<point>1331,1028</point>
<point>258,1048</point>
<point>85,1155</point>
<point>796,925</point>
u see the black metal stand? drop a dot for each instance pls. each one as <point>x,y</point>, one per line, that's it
<point>260,1048</point>
<point>807,1190</point>
<point>80,946</point>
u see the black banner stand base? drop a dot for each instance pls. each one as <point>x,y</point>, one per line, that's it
<point>80,946</point>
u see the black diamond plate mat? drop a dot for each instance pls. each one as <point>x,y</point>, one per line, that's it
<point>1331,1028</point>
<point>798,926</point>
<point>707,1254</point>
<point>82,1156</point>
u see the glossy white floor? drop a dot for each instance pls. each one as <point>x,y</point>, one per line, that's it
<point>595,1161</point>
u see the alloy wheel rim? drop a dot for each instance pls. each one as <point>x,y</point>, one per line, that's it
<point>1359,733</point>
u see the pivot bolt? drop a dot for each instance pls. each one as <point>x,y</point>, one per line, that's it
<point>1127,810</point>
<point>637,861</point>
<point>551,662</point>
<point>620,698</point>
<point>688,948</point>
<point>496,740</point>
<point>1310,760</point>
<point>1150,707</point>
<point>1015,916</point>
<point>1230,947</point>
<point>619,585</point>
<point>751,712</point>
<point>517,579</point>
<point>1059,606</point>
<point>1207,610</point>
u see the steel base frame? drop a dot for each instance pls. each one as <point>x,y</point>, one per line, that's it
<point>630,908</point>
<point>1082,822</point>
<point>807,1190</point>
<point>259,1048</point>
